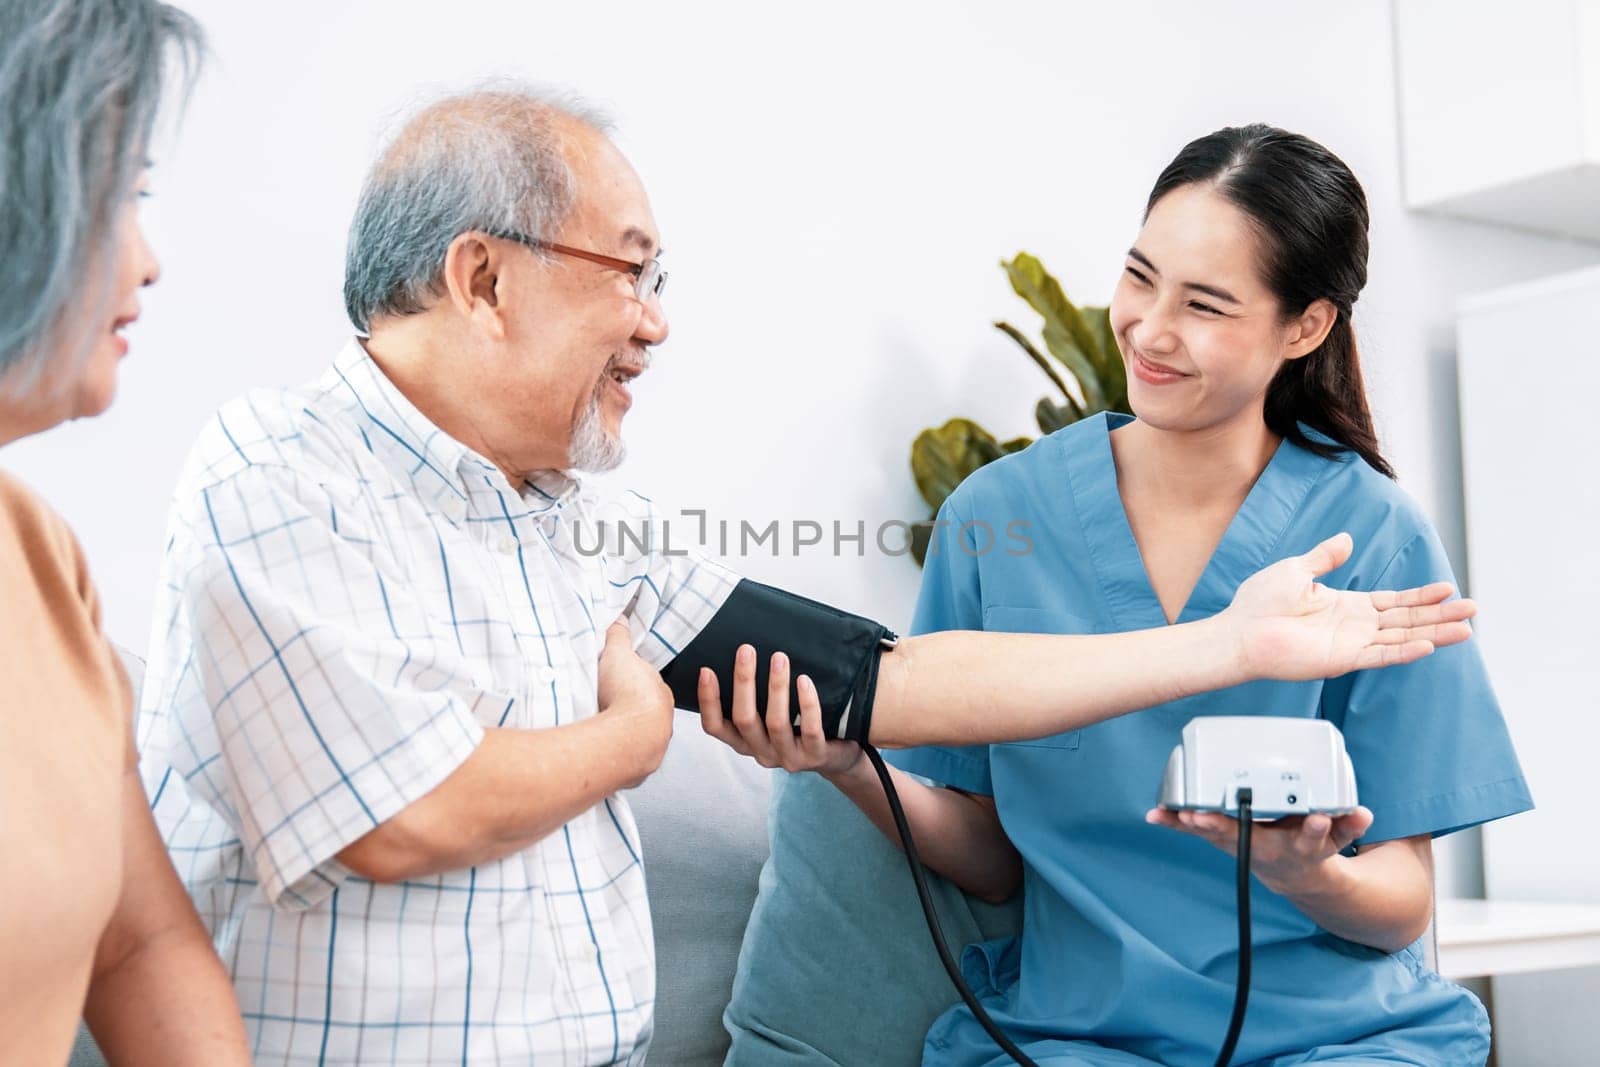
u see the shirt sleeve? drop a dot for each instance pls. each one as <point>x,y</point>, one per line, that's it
<point>672,590</point>
<point>1430,747</point>
<point>950,599</point>
<point>51,596</point>
<point>318,699</point>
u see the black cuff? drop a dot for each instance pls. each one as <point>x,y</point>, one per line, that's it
<point>838,651</point>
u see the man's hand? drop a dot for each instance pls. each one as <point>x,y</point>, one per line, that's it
<point>771,740</point>
<point>1291,628</point>
<point>520,785</point>
<point>628,686</point>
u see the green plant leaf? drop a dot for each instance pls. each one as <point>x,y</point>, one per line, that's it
<point>1033,354</point>
<point>942,457</point>
<point>1113,374</point>
<point>1066,334</point>
<point>1051,416</point>
<point>1079,339</point>
<point>1079,363</point>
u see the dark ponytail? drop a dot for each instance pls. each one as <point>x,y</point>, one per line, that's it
<point>1311,216</point>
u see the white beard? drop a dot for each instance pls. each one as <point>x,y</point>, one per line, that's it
<point>593,449</point>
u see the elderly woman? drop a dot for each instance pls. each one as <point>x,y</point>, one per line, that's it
<point>92,917</point>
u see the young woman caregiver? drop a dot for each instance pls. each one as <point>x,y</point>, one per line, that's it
<point>1252,440</point>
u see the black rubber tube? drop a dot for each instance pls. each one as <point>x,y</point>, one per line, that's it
<point>1241,990</point>
<point>1007,1046</point>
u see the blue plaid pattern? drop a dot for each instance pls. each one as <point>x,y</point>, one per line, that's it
<point>348,598</point>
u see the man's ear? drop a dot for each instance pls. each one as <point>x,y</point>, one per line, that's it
<point>1310,328</point>
<point>472,281</point>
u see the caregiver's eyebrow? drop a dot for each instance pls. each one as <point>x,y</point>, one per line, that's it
<point>1199,287</point>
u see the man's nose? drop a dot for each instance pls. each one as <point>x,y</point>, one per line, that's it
<point>652,328</point>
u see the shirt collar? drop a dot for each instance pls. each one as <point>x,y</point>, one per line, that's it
<point>441,470</point>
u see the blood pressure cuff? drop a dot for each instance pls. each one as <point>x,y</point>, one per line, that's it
<point>838,651</point>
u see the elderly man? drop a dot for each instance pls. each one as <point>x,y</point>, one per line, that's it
<point>398,700</point>
<point>384,654</point>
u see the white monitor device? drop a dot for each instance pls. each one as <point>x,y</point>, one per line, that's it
<point>1291,766</point>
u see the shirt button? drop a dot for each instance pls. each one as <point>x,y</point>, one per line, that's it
<point>508,545</point>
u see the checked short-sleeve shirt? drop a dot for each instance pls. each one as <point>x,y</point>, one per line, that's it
<point>349,598</point>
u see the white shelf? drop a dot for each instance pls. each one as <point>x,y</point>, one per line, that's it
<point>1500,111</point>
<point>1479,938</point>
<point>1580,286</point>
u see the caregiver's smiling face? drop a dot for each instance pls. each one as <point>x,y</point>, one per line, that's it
<point>1201,334</point>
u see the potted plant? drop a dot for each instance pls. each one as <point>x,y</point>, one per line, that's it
<point>1079,340</point>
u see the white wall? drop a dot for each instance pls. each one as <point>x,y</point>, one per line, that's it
<point>835,185</point>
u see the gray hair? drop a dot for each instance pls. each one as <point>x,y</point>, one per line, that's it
<point>81,82</point>
<point>492,160</point>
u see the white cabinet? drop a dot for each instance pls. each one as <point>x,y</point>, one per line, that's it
<point>1530,396</point>
<point>1500,111</point>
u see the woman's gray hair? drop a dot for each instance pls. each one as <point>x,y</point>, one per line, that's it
<point>80,82</point>
<point>492,160</point>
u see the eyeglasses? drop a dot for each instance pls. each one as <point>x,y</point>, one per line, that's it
<point>648,277</point>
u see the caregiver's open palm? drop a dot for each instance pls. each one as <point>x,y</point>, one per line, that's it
<point>1293,628</point>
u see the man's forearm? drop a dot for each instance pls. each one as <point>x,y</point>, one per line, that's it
<point>940,688</point>
<point>518,787</point>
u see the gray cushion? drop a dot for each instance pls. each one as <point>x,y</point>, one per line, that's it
<point>85,1053</point>
<point>837,965</point>
<point>703,825</point>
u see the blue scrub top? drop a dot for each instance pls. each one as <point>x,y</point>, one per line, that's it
<point>1129,947</point>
